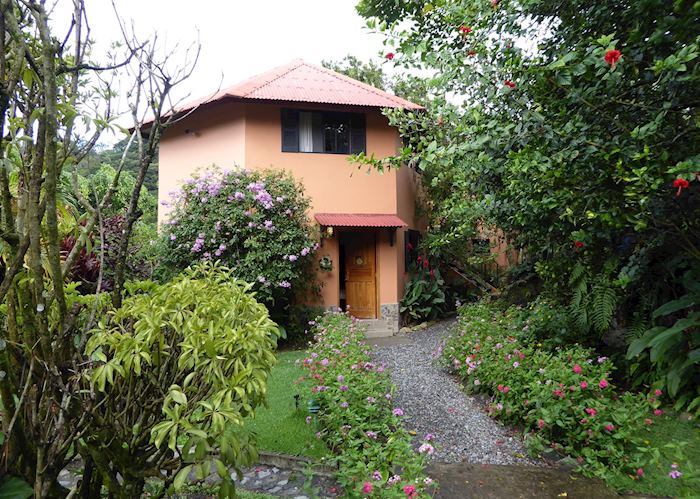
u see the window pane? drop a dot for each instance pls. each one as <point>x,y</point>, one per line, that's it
<point>305,133</point>
<point>290,130</point>
<point>336,133</point>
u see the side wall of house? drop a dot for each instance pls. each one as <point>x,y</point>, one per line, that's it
<point>215,137</point>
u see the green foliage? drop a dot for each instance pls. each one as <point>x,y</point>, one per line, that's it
<point>587,163</point>
<point>593,300</point>
<point>112,156</point>
<point>674,347</point>
<point>563,396</point>
<point>369,72</point>
<point>544,322</point>
<point>15,488</point>
<point>356,414</point>
<point>254,222</point>
<point>424,295</point>
<point>196,354</point>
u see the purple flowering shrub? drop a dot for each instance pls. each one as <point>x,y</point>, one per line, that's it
<point>563,397</point>
<point>254,222</point>
<point>358,420</point>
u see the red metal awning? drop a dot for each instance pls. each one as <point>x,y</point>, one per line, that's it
<point>359,220</point>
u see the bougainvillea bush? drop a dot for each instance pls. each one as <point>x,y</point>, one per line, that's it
<point>357,417</point>
<point>254,222</point>
<point>563,397</point>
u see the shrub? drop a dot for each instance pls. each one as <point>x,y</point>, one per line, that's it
<point>356,415</point>
<point>424,295</point>
<point>179,364</point>
<point>563,397</point>
<point>253,222</point>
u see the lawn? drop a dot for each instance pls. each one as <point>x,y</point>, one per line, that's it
<point>281,427</point>
<point>656,480</point>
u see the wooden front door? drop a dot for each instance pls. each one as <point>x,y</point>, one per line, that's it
<point>360,275</point>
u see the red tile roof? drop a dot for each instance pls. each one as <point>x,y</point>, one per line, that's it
<point>300,81</point>
<point>359,220</point>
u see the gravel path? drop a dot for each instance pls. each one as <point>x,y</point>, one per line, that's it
<point>433,402</point>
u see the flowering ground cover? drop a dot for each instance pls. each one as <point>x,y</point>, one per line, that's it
<point>563,397</point>
<point>281,426</point>
<point>357,419</point>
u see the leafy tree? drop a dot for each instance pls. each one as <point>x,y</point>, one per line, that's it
<point>572,127</point>
<point>369,72</point>
<point>44,92</point>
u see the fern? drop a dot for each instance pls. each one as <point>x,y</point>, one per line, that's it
<point>603,304</point>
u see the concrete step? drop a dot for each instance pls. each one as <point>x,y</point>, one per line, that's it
<point>377,328</point>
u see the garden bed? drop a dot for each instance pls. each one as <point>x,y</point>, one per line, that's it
<point>357,419</point>
<point>565,401</point>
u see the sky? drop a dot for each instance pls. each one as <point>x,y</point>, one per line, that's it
<point>239,38</point>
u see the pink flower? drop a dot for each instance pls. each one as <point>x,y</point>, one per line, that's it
<point>367,488</point>
<point>500,388</point>
<point>426,448</point>
<point>658,412</point>
<point>398,411</point>
<point>377,475</point>
<point>584,385</point>
<point>648,421</point>
<point>609,427</point>
<point>640,472</point>
<point>603,384</point>
<point>410,491</point>
<point>389,55</point>
<point>658,392</point>
<point>577,369</point>
<point>506,389</point>
<point>591,412</point>
<point>340,378</point>
<point>540,423</point>
<point>372,435</point>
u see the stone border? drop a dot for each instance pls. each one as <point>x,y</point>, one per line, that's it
<point>296,463</point>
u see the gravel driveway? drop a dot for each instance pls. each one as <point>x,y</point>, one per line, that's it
<point>433,402</point>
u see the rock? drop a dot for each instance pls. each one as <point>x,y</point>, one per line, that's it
<point>283,482</point>
<point>274,489</point>
<point>264,474</point>
<point>405,330</point>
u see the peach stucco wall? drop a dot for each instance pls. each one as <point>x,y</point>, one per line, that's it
<point>249,134</point>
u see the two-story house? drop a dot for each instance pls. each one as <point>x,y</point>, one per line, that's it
<point>307,119</point>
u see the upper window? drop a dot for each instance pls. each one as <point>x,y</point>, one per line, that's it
<point>323,131</point>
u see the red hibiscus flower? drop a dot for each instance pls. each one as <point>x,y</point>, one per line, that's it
<point>578,244</point>
<point>612,56</point>
<point>509,83</point>
<point>389,55</point>
<point>680,184</point>
<point>465,30</point>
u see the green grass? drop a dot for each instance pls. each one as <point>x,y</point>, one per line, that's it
<point>280,427</point>
<point>666,429</point>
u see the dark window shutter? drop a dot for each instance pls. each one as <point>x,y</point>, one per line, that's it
<point>358,134</point>
<point>290,130</point>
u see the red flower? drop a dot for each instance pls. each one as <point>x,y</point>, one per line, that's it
<point>658,412</point>
<point>509,83</point>
<point>389,56</point>
<point>578,244</point>
<point>640,472</point>
<point>465,30</point>
<point>612,56</point>
<point>680,184</point>
<point>471,53</point>
<point>410,491</point>
<point>426,264</point>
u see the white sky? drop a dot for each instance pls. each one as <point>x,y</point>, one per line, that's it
<point>239,38</point>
